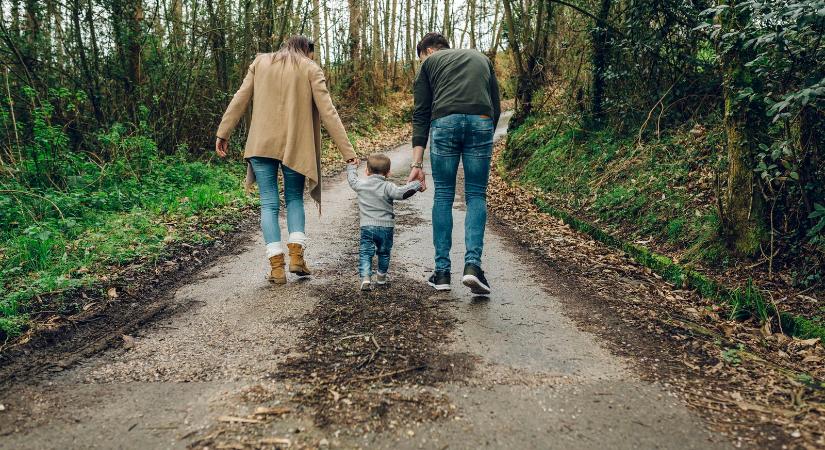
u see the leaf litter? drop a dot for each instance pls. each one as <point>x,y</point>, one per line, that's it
<point>368,362</point>
<point>755,385</point>
<point>369,359</point>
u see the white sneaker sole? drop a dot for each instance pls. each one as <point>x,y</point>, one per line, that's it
<point>366,286</point>
<point>475,285</point>
<point>439,287</point>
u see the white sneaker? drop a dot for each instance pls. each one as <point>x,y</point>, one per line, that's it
<point>366,285</point>
<point>381,278</point>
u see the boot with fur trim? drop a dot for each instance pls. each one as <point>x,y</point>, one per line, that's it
<point>277,275</point>
<point>297,265</point>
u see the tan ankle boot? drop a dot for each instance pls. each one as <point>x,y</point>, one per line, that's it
<point>277,275</point>
<point>297,265</point>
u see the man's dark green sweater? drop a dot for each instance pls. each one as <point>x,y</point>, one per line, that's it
<point>453,82</point>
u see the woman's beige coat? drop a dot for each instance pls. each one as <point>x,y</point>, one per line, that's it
<point>289,101</point>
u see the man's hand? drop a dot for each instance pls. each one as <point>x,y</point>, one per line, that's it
<point>417,174</point>
<point>221,145</point>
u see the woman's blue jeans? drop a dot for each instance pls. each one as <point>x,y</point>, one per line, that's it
<point>467,139</point>
<point>266,175</point>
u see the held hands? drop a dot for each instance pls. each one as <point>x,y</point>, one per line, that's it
<point>417,174</point>
<point>221,145</point>
<point>354,161</point>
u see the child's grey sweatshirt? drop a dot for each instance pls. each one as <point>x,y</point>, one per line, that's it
<point>376,196</point>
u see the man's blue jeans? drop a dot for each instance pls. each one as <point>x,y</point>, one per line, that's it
<point>374,240</point>
<point>468,139</point>
<point>266,175</point>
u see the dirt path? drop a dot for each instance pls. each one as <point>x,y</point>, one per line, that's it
<point>316,363</point>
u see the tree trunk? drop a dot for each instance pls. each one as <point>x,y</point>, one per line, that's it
<point>446,29</point>
<point>135,37</point>
<point>496,30</point>
<point>393,42</point>
<point>218,41</point>
<point>91,78</point>
<point>472,21</point>
<point>178,37</point>
<point>377,70</point>
<point>812,147</point>
<point>30,51</point>
<point>282,29</point>
<point>600,50</point>
<point>354,44</point>
<point>327,48</point>
<point>523,90</point>
<point>745,127</point>
<point>316,29</point>
<point>15,18</point>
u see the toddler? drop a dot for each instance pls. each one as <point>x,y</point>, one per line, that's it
<point>375,200</point>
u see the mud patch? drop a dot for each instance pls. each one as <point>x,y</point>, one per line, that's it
<point>360,347</point>
<point>365,363</point>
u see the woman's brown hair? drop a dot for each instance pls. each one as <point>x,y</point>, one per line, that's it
<point>294,48</point>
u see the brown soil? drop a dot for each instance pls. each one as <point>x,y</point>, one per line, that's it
<point>55,343</point>
<point>359,344</point>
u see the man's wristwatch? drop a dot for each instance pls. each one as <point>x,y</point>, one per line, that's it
<point>417,165</point>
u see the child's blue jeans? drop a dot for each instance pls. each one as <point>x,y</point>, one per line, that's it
<point>266,175</point>
<point>374,240</point>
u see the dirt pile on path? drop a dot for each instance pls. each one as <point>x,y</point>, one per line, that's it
<point>365,363</point>
<point>367,355</point>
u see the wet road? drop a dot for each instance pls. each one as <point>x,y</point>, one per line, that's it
<point>539,381</point>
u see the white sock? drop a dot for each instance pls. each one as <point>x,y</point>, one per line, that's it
<point>298,237</point>
<point>274,249</point>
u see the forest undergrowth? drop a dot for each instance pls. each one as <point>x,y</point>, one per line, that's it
<point>96,214</point>
<point>753,382</point>
<point>661,202</point>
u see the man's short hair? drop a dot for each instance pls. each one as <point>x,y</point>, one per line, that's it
<point>379,164</point>
<point>431,40</point>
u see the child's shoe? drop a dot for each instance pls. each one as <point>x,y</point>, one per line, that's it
<point>366,285</point>
<point>381,278</point>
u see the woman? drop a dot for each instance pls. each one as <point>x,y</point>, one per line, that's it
<point>288,93</point>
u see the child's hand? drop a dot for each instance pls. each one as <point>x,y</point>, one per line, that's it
<point>354,162</point>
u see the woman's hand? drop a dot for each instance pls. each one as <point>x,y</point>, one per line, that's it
<point>354,161</point>
<point>221,145</point>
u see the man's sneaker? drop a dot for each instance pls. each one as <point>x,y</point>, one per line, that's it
<point>365,284</point>
<point>440,281</point>
<point>474,279</point>
<point>381,278</point>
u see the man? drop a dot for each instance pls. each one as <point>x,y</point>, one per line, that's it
<point>457,106</point>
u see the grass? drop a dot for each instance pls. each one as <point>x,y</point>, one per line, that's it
<point>635,198</point>
<point>110,217</point>
<point>742,303</point>
<point>70,221</point>
<point>610,180</point>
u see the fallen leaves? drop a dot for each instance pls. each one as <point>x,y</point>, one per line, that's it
<point>775,379</point>
<point>128,341</point>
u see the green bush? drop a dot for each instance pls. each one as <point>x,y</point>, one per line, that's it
<point>68,215</point>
